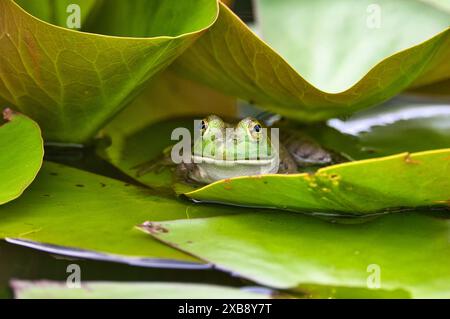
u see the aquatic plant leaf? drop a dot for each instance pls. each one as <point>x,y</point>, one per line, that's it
<point>21,154</point>
<point>139,290</point>
<point>294,251</point>
<point>72,208</point>
<point>73,82</point>
<point>359,187</point>
<point>331,59</point>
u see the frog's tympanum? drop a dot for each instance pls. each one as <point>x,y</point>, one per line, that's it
<point>223,151</point>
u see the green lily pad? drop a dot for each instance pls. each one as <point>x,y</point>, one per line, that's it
<point>21,154</point>
<point>115,290</point>
<point>72,208</point>
<point>360,187</point>
<point>341,64</point>
<point>73,82</point>
<point>293,251</point>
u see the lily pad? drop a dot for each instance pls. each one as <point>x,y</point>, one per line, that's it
<point>72,208</point>
<point>73,82</point>
<point>336,72</point>
<point>360,187</point>
<point>293,251</point>
<point>115,290</point>
<point>21,154</point>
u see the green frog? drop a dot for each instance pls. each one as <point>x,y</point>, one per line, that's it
<point>224,151</point>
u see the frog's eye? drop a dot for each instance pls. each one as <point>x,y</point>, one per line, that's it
<point>256,130</point>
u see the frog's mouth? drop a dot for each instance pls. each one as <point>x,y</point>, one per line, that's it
<point>220,157</point>
<point>230,162</point>
<point>209,170</point>
<point>212,170</point>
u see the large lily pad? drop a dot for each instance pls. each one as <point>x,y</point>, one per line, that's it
<point>21,154</point>
<point>115,290</point>
<point>392,253</point>
<point>360,187</point>
<point>72,208</point>
<point>341,64</point>
<point>72,82</point>
<point>345,48</point>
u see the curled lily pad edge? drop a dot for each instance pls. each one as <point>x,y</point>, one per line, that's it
<point>163,37</point>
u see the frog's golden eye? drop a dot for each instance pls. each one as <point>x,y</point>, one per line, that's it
<point>256,130</point>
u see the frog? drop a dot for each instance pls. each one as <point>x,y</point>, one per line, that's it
<point>223,151</point>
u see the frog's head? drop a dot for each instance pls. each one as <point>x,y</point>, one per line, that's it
<point>224,151</point>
